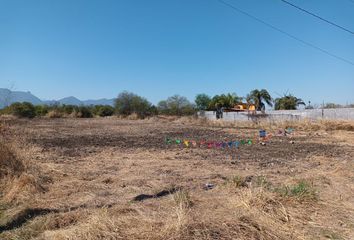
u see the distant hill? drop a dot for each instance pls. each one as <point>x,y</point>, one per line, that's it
<point>103,101</point>
<point>70,101</point>
<point>8,97</point>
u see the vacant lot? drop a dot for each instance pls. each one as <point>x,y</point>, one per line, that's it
<point>117,179</point>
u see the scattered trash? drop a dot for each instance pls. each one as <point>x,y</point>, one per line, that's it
<point>209,186</point>
<point>264,138</point>
<point>262,133</point>
<point>280,132</point>
<point>289,130</point>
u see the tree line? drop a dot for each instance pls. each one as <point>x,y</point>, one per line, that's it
<point>128,103</point>
<point>258,98</point>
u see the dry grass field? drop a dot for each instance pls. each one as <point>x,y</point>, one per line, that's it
<point>108,178</point>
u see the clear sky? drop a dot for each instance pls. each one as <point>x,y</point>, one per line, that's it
<point>157,48</point>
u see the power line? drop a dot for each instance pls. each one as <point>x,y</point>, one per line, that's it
<point>286,33</point>
<point>316,16</point>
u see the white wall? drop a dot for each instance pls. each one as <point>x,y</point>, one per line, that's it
<point>335,114</point>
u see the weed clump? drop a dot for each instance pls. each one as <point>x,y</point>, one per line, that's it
<point>182,199</point>
<point>235,181</point>
<point>302,191</point>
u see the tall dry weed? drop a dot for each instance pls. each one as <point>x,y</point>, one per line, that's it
<point>18,174</point>
<point>10,164</point>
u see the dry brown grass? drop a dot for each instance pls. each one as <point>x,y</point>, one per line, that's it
<point>248,215</point>
<point>18,178</point>
<point>300,125</point>
<point>96,167</point>
<point>54,114</point>
<point>10,163</point>
<point>133,116</point>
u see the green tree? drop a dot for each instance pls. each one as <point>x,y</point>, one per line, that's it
<point>128,103</point>
<point>288,102</point>
<point>332,105</point>
<point>224,100</point>
<point>202,101</point>
<point>258,98</point>
<point>176,105</point>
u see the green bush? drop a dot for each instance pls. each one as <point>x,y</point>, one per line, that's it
<point>23,110</point>
<point>153,110</point>
<point>41,110</point>
<point>68,109</point>
<point>103,110</point>
<point>84,112</point>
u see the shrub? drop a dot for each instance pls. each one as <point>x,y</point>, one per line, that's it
<point>41,110</point>
<point>128,103</point>
<point>84,112</point>
<point>103,110</point>
<point>68,109</point>
<point>153,110</point>
<point>25,109</point>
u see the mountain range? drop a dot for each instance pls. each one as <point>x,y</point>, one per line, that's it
<point>8,97</point>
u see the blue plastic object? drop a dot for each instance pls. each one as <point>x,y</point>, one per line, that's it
<point>262,133</point>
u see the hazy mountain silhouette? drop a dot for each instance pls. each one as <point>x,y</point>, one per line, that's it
<point>102,101</point>
<point>8,97</point>
<point>70,101</point>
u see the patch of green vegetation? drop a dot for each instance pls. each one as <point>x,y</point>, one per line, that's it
<point>301,191</point>
<point>261,181</point>
<point>235,181</point>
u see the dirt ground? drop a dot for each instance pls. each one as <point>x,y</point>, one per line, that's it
<point>108,178</point>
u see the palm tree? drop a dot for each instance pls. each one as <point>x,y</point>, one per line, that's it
<point>258,97</point>
<point>227,101</point>
<point>288,102</point>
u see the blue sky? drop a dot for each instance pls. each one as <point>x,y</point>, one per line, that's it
<point>157,48</point>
